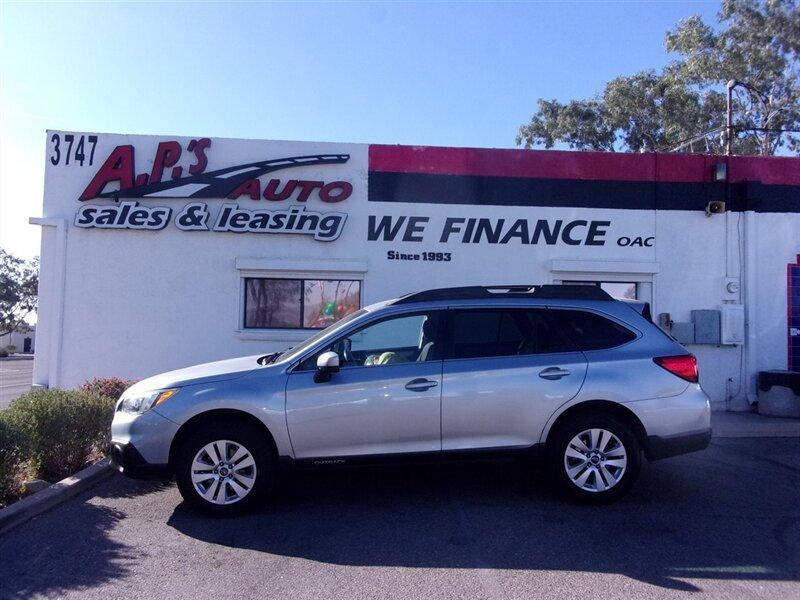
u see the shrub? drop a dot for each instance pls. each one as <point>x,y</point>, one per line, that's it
<point>13,450</point>
<point>111,387</point>
<point>3,353</point>
<point>11,348</point>
<point>64,429</point>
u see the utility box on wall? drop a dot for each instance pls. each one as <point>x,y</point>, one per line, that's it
<point>732,324</point>
<point>683,332</point>
<point>706,326</point>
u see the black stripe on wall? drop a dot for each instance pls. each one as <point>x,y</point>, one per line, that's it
<point>428,188</point>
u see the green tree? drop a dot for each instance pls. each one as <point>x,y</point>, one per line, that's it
<point>756,42</point>
<point>19,282</point>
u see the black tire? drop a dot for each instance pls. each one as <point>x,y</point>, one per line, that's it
<point>558,462</point>
<point>239,433</point>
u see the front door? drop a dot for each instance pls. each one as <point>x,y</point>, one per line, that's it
<point>385,399</point>
<point>506,371</point>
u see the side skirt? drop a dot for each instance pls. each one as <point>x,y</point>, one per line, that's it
<point>528,452</point>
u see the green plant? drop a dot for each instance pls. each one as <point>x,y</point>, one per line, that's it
<point>64,429</point>
<point>3,353</point>
<point>10,349</point>
<point>19,280</point>
<point>683,105</point>
<point>13,449</point>
<point>111,387</point>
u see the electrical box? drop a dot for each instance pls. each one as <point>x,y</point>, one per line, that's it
<point>732,324</point>
<point>683,332</point>
<point>730,289</point>
<point>706,326</point>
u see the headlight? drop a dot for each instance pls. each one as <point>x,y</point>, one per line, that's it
<point>140,403</point>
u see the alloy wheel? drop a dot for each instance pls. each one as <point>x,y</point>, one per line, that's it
<point>223,472</point>
<point>595,460</point>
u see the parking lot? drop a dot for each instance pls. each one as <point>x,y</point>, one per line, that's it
<point>15,379</point>
<point>724,522</point>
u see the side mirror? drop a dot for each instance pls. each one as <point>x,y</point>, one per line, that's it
<point>327,365</point>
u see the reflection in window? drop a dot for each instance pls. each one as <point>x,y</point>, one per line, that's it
<point>325,302</point>
<point>298,303</point>
<point>399,339</point>
<point>272,303</point>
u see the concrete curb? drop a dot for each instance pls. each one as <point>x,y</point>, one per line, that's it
<point>15,357</point>
<point>37,503</point>
<point>752,425</point>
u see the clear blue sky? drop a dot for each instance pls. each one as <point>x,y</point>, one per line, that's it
<point>461,74</point>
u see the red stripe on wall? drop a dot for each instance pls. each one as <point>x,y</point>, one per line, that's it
<point>556,164</point>
<point>776,170</point>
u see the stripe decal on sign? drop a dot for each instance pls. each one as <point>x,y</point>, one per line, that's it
<point>423,188</point>
<point>469,176</point>
<point>594,166</point>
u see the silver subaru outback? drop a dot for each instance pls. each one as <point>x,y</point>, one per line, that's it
<point>566,373</point>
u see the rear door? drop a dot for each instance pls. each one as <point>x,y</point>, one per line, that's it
<point>506,370</point>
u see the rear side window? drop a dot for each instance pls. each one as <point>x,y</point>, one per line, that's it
<point>590,331</point>
<point>503,332</point>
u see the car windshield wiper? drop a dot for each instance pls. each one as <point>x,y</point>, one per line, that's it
<point>268,359</point>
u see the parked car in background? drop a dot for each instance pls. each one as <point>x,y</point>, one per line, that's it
<point>566,373</point>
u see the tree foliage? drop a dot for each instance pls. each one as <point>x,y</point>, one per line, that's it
<point>756,42</point>
<point>19,282</point>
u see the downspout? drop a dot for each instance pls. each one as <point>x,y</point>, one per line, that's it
<point>749,267</point>
<point>751,305</point>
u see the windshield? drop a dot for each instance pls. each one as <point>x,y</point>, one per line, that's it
<point>297,350</point>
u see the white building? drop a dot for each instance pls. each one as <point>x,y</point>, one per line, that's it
<point>24,342</point>
<point>162,252</point>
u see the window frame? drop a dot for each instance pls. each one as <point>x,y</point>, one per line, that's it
<point>637,334</point>
<point>297,367</point>
<point>637,285</point>
<point>302,280</point>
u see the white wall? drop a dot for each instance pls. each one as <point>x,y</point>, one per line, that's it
<point>135,303</point>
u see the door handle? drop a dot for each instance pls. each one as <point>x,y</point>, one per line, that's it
<point>553,373</point>
<point>421,384</point>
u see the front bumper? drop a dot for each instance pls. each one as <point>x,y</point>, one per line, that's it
<point>126,459</point>
<point>140,444</point>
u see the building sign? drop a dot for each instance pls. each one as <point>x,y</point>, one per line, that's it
<point>243,180</point>
<point>418,204</point>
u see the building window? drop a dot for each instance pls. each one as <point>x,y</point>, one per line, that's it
<point>617,289</point>
<point>298,303</point>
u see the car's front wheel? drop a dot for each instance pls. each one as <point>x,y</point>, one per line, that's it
<point>224,468</point>
<point>595,458</point>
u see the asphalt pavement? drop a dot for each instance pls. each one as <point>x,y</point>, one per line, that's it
<point>724,523</point>
<point>16,376</point>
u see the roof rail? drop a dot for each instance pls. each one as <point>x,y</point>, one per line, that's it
<point>579,292</point>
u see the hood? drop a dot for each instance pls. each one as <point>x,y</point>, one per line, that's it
<point>220,370</point>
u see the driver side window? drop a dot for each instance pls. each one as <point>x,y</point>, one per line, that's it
<point>398,339</point>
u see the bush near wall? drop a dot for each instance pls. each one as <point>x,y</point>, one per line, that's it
<point>107,386</point>
<point>13,453</point>
<point>51,434</point>
<point>64,429</point>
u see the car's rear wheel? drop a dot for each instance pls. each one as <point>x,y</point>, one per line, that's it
<point>225,468</point>
<point>595,458</point>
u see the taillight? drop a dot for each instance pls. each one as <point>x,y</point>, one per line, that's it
<point>684,366</point>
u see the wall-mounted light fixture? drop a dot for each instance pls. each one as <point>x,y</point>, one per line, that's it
<point>715,207</point>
